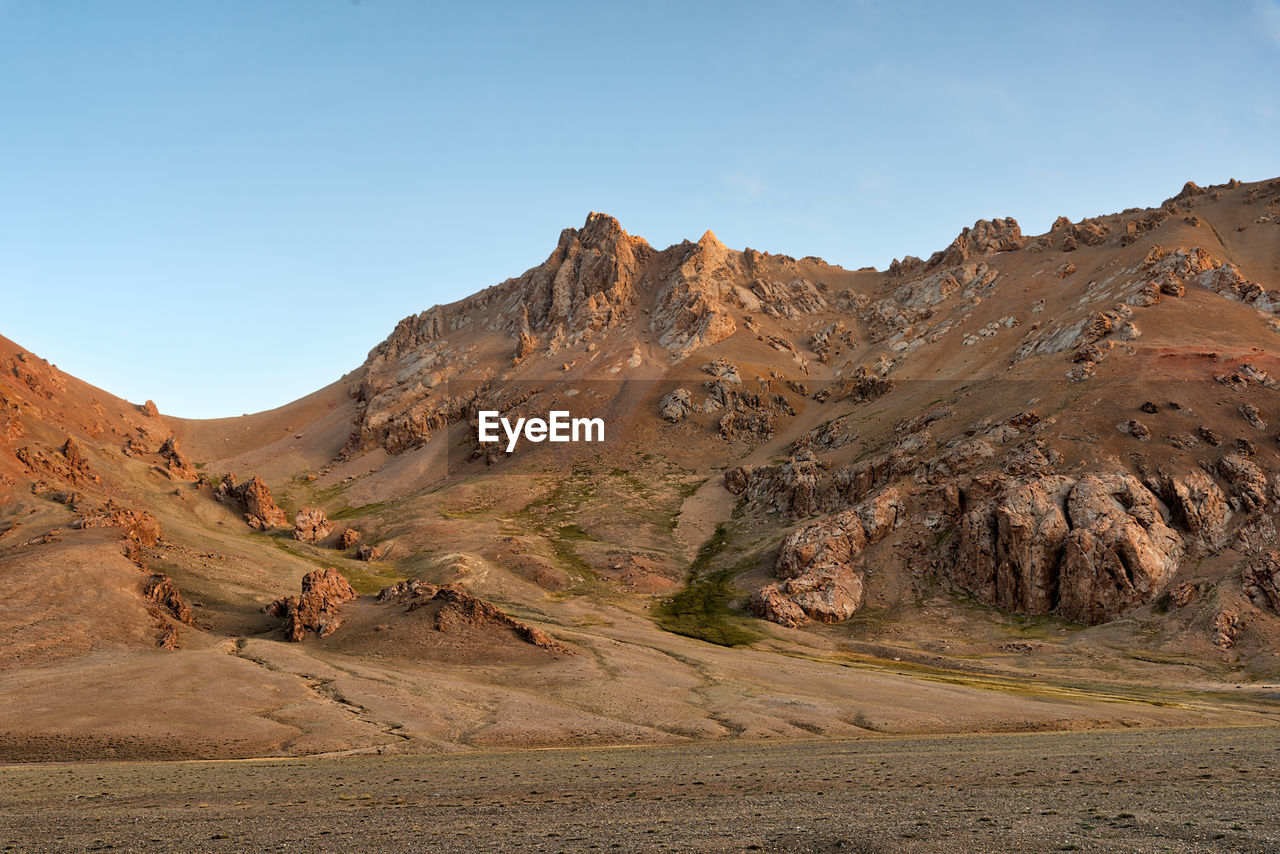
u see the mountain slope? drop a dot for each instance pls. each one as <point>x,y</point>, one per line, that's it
<point>1026,483</point>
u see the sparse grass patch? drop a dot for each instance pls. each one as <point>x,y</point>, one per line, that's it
<point>366,578</point>
<point>362,510</point>
<point>701,610</point>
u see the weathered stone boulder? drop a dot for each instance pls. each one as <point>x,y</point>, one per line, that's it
<point>821,578</point>
<point>1120,552</point>
<point>310,525</point>
<point>316,610</point>
<point>772,604</point>
<point>160,590</point>
<point>348,538</point>
<point>675,405</point>
<point>1088,550</point>
<point>1260,579</point>
<point>1197,504</point>
<point>176,462</point>
<point>1248,483</point>
<point>1009,549</point>
<point>260,511</point>
<point>1226,628</point>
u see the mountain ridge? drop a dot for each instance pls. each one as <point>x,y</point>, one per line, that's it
<point>1047,457</point>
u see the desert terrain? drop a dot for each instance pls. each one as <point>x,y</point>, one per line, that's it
<point>1179,790</point>
<point>1023,490</point>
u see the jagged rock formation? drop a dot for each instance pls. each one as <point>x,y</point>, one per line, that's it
<point>986,237</point>
<point>176,462</point>
<point>310,525</point>
<point>688,312</point>
<point>138,526</point>
<point>1198,505</point>
<point>160,590</point>
<point>348,538</point>
<point>675,405</point>
<point>316,610</point>
<point>599,280</point>
<point>1260,579</point>
<point>1088,549</point>
<point>817,564</point>
<point>459,609</point>
<point>260,511</point>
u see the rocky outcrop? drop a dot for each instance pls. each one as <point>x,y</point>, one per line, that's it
<point>260,511</point>
<point>69,463</point>
<point>403,591</point>
<point>11,429</point>
<point>310,525</point>
<point>176,462</point>
<point>826,342</point>
<point>688,311</point>
<point>818,565</point>
<point>369,552</point>
<point>160,590</point>
<point>675,405</point>
<point>77,462</point>
<point>1167,274</point>
<point>1182,595</point>
<point>1197,504</point>
<point>921,293</point>
<point>588,282</point>
<point>1227,280</point>
<point>316,610</point>
<point>804,484</point>
<point>1010,547</point>
<point>1260,579</point>
<point>1090,232</point>
<point>751,416</point>
<point>460,610</point>
<point>138,526</point>
<point>794,487</point>
<point>1247,482</point>
<point>1089,549</point>
<point>1227,626</point>
<point>525,342</point>
<point>1120,552</point>
<point>348,538</point>
<point>985,238</point>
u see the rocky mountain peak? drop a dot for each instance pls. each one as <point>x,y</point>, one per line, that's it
<point>599,230</point>
<point>709,239</point>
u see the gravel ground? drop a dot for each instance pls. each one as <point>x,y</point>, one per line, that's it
<point>1123,791</point>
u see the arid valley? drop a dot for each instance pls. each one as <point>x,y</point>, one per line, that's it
<point>1014,501</point>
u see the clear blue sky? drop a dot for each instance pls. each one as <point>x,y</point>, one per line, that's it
<point>224,205</point>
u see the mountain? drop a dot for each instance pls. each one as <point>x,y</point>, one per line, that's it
<point>1029,482</point>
